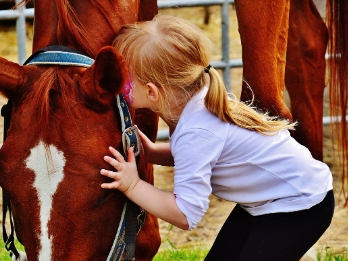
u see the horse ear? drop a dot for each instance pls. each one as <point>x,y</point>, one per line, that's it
<point>104,79</point>
<point>10,77</point>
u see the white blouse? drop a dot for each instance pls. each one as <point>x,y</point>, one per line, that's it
<point>264,174</point>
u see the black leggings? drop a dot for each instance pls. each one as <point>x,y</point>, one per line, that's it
<point>278,236</point>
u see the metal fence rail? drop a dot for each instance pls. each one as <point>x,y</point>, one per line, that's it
<point>20,17</point>
<point>225,64</point>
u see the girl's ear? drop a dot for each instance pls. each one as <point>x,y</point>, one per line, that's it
<point>152,92</point>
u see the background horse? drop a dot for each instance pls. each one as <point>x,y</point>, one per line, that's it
<point>284,44</point>
<point>337,20</point>
<point>63,120</point>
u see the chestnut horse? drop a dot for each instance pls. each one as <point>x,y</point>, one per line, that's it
<point>284,44</point>
<point>63,120</point>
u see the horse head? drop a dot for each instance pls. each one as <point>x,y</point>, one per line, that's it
<point>63,120</point>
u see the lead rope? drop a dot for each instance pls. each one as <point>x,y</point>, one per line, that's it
<point>6,204</point>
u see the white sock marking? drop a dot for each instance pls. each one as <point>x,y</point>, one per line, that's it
<point>48,164</point>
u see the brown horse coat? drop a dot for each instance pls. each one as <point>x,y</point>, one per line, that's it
<point>63,121</point>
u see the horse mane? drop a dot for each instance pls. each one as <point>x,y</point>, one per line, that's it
<point>72,30</point>
<point>337,11</point>
<point>52,89</point>
<point>21,4</point>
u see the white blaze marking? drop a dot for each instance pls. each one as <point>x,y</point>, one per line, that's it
<point>48,164</point>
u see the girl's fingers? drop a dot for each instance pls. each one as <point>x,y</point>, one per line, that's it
<point>119,164</point>
<point>118,156</point>
<point>131,156</point>
<point>142,135</point>
<point>113,162</point>
<point>112,185</point>
<point>109,173</point>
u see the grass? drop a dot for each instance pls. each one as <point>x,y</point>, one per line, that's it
<point>330,255</point>
<point>181,254</point>
<point>4,254</point>
<point>194,253</point>
<point>190,253</point>
<point>198,254</point>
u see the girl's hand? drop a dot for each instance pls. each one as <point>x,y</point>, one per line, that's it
<point>156,153</point>
<point>126,175</point>
<point>148,145</point>
<point>126,179</point>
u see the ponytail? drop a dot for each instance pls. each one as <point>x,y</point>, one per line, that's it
<point>234,111</point>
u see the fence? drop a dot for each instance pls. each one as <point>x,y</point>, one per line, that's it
<point>225,63</point>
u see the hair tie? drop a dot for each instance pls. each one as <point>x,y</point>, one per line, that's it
<point>206,69</point>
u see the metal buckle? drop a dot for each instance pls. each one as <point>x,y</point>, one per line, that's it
<point>130,138</point>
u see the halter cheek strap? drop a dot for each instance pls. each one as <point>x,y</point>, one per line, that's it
<point>130,136</point>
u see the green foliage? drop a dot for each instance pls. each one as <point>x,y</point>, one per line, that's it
<point>191,253</point>
<point>330,255</point>
<point>182,254</point>
<point>4,254</point>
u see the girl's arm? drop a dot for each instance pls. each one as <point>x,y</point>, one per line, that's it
<point>126,179</point>
<point>156,153</point>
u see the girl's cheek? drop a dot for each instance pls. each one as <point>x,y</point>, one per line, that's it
<point>127,91</point>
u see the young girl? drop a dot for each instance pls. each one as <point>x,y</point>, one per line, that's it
<point>218,145</point>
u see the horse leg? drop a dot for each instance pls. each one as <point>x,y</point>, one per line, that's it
<point>263,28</point>
<point>305,73</point>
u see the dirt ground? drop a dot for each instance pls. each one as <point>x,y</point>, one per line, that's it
<point>336,237</point>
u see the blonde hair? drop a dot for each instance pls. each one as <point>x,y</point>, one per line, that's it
<point>173,53</point>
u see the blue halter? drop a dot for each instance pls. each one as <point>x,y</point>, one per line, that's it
<point>65,56</point>
<point>59,55</point>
